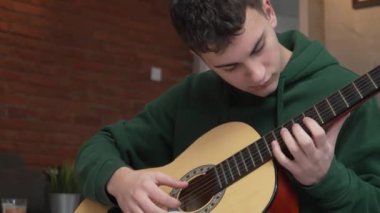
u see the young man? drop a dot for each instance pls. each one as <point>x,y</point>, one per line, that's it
<point>259,78</point>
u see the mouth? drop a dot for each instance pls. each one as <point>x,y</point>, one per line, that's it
<point>262,85</point>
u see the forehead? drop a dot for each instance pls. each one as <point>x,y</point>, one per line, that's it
<point>242,44</point>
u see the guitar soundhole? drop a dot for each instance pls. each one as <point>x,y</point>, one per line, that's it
<point>200,195</point>
<point>196,195</point>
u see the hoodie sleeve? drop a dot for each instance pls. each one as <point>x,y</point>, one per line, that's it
<point>144,141</point>
<point>352,183</point>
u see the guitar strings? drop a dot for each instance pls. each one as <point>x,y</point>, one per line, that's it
<point>266,152</point>
<point>210,182</point>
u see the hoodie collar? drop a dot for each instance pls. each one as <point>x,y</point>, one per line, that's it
<point>307,58</point>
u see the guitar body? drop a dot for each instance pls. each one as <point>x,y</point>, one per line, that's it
<point>218,165</point>
<point>252,193</point>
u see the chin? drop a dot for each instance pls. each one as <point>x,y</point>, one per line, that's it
<point>263,92</point>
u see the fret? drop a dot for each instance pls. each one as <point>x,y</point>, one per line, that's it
<point>247,158</point>
<point>223,173</point>
<point>361,96</point>
<point>217,175</point>
<point>288,125</point>
<point>229,168</point>
<point>234,167</point>
<point>375,75</point>
<point>324,110</point>
<point>372,81</point>
<point>337,103</point>
<point>237,165</point>
<point>350,94</point>
<point>364,85</point>
<point>319,115</point>
<point>250,155</point>
<point>344,99</point>
<point>274,136</point>
<point>269,137</point>
<point>263,150</point>
<point>258,150</point>
<point>314,114</point>
<point>277,131</point>
<point>243,160</point>
<point>266,144</point>
<point>332,109</point>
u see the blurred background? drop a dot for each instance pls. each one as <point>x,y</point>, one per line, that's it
<point>69,67</point>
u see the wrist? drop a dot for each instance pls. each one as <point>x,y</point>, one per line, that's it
<point>334,182</point>
<point>115,179</point>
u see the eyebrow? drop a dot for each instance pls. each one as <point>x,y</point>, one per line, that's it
<point>251,53</point>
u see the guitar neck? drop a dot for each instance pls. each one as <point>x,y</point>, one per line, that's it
<point>259,152</point>
<point>337,104</point>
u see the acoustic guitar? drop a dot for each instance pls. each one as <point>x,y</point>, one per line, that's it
<point>230,168</point>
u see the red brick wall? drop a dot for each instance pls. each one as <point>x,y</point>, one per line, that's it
<point>69,67</point>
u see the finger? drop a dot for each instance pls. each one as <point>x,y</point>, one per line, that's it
<point>316,131</point>
<point>333,132</point>
<point>161,197</point>
<point>304,140</point>
<point>147,205</point>
<point>132,207</point>
<point>162,179</point>
<point>281,158</point>
<point>133,202</point>
<point>291,144</point>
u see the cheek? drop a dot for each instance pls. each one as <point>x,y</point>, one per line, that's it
<point>269,55</point>
<point>269,58</point>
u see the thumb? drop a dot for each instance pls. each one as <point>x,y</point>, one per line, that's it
<point>334,130</point>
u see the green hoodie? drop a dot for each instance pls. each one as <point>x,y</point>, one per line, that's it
<point>169,124</point>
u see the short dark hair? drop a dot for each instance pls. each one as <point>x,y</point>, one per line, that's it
<point>209,25</point>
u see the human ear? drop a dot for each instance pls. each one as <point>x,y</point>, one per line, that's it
<point>269,13</point>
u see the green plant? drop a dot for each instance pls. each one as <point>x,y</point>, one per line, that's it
<point>62,179</point>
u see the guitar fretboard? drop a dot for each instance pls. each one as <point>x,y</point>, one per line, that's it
<point>259,152</point>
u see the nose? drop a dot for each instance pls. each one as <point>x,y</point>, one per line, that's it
<point>255,71</point>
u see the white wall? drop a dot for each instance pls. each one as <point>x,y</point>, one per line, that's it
<point>353,35</point>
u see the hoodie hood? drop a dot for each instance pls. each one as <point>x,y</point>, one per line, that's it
<point>299,86</point>
<point>308,56</point>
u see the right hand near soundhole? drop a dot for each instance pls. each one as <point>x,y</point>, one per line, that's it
<point>138,190</point>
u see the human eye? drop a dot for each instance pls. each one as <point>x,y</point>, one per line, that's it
<point>259,47</point>
<point>230,68</point>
